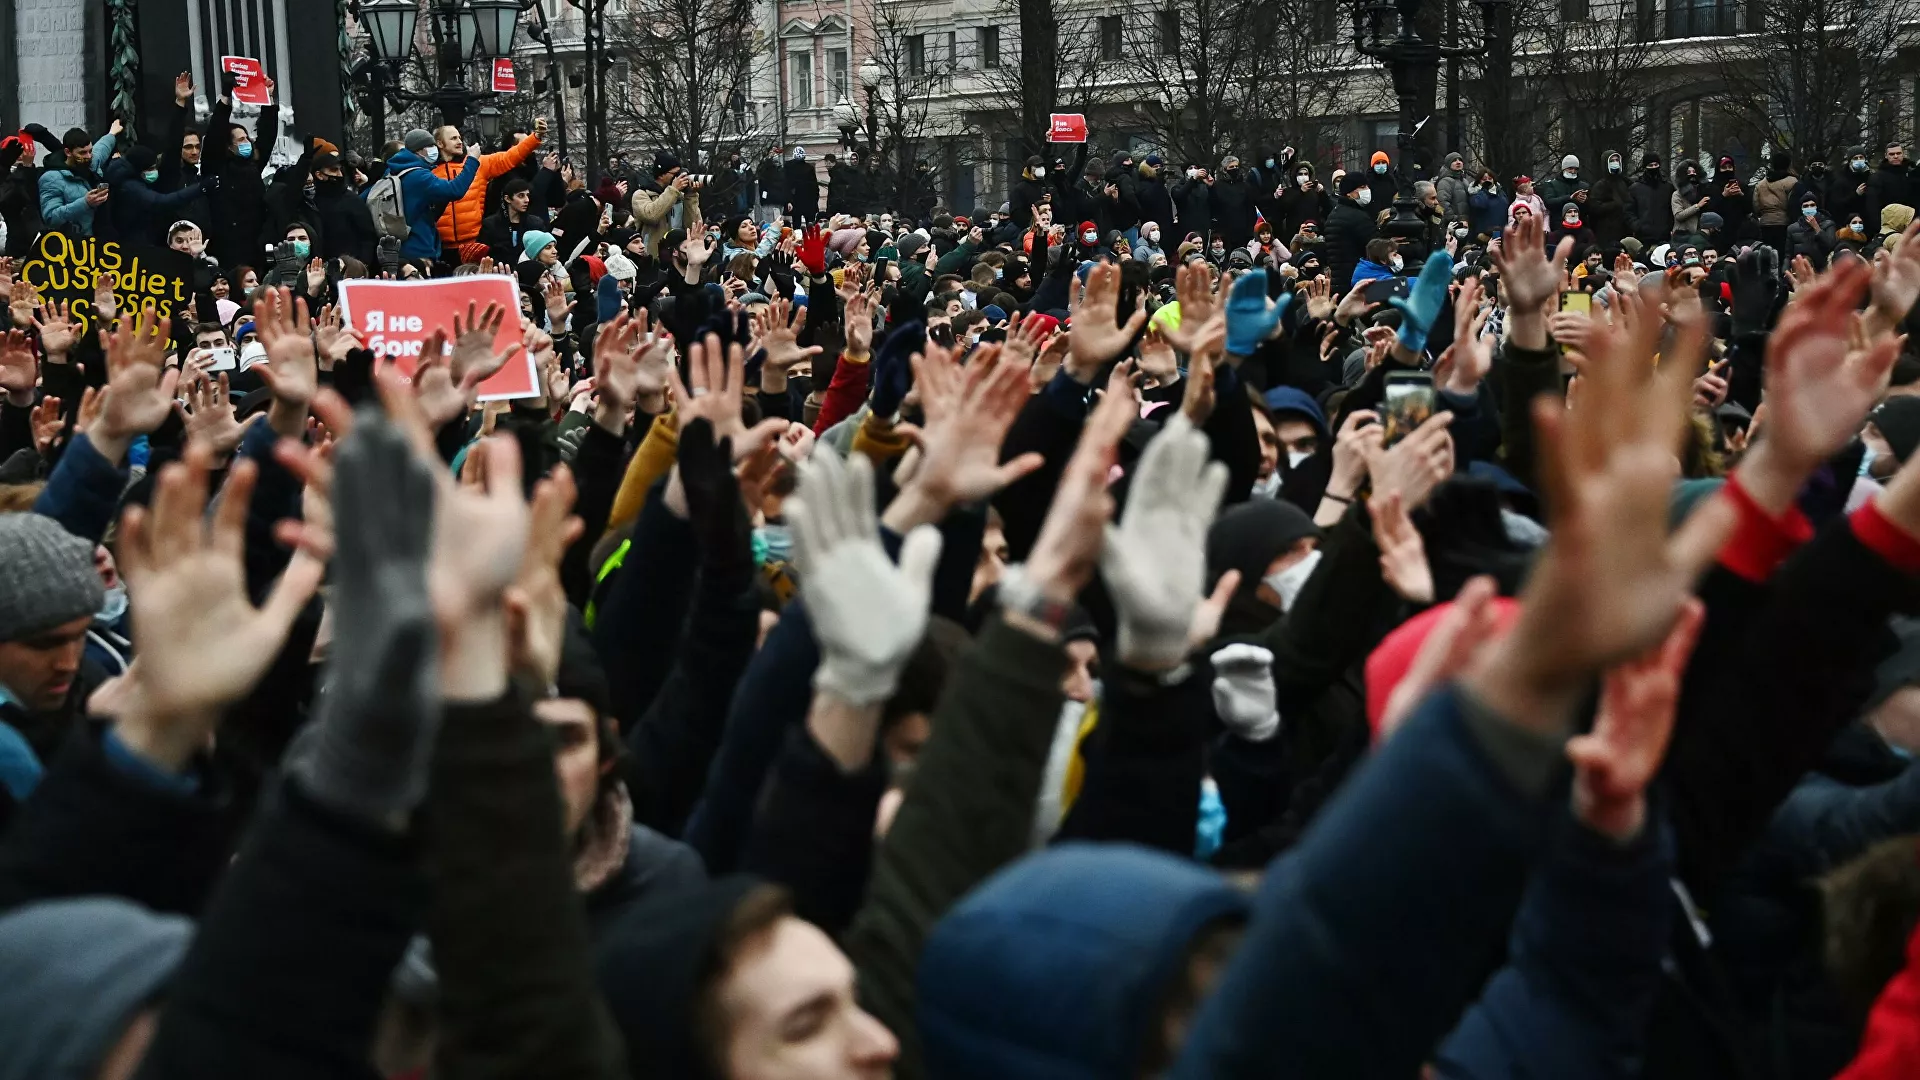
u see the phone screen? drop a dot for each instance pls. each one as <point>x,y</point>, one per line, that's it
<point>1409,404</point>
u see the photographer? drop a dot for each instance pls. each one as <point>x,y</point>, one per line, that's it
<point>671,200</point>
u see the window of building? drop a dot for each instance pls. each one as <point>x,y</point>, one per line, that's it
<point>1703,18</point>
<point>620,83</point>
<point>1574,11</point>
<point>953,50</point>
<point>1109,37</point>
<point>1326,18</point>
<point>916,53</point>
<point>801,87</point>
<point>838,72</point>
<point>1169,19</point>
<point>987,41</point>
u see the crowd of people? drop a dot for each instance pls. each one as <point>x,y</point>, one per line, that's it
<point>1231,627</point>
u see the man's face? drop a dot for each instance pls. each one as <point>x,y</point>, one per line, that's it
<point>452,146</point>
<point>187,240</point>
<point>39,670</point>
<point>298,235</point>
<point>1296,436</point>
<point>1896,155</point>
<point>791,1013</point>
<point>576,755</point>
<point>190,148</point>
<point>328,175</point>
<point>1269,445</point>
<point>80,156</point>
<point>1458,167</point>
<point>954,308</point>
<point>519,201</point>
<point>1077,684</point>
<point>210,339</point>
<point>240,138</point>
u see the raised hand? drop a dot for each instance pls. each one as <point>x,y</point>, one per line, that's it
<point>47,424</point>
<point>968,413</point>
<point>1073,536</point>
<point>140,388</point>
<point>1460,638</point>
<point>1157,358</point>
<point>19,368</point>
<point>441,398</point>
<point>1210,350</point>
<point>208,409</point>
<point>1025,340</point>
<point>292,370</point>
<point>1612,578</point>
<point>1320,302</point>
<point>1467,361</point>
<point>1403,555</point>
<point>717,376</point>
<point>1528,276</point>
<point>22,301</point>
<point>1251,317</point>
<point>1896,281</point>
<point>1414,466</point>
<point>859,323</point>
<point>1820,381</point>
<point>203,645</point>
<point>1199,296</point>
<point>1098,337</point>
<point>1616,761</point>
<point>57,329</point>
<point>782,337</point>
<point>536,603</point>
<point>1354,445</point>
<point>333,339</point>
<point>867,613</point>
<point>1155,561</point>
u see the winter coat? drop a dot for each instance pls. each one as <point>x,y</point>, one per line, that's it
<point>1650,207</point>
<point>1454,190</point>
<point>237,192</point>
<point>1847,192</point>
<point>1025,194</point>
<point>1558,191</point>
<point>1608,202</point>
<point>653,206</point>
<point>1735,210</point>
<point>504,239</point>
<point>1153,201</point>
<point>422,195</point>
<point>803,188</point>
<point>63,193</point>
<point>1233,197</point>
<point>1772,200</point>
<point>345,223</point>
<point>460,224</point>
<point>843,189</point>
<point>140,213</point>
<point>1194,199</point>
<point>1815,240</point>
<point>1348,229</point>
<point>1297,204</point>
<point>1887,185</point>
<point>1487,211</point>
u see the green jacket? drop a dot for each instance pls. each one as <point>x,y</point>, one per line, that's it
<point>969,813</point>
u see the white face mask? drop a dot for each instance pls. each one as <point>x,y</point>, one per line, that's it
<point>114,605</point>
<point>1297,458</point>
<point>1268,488</point>
<point>1571,174</point>
<point>430,155</point>
<point>1304,179</point>
<point>1089,238</point>
<point>1290,581</point>
<point>1153,236</point>
<point>1040,174</point>
<point>1193,174</point>
<point>1363,196</point>
<point>1397,263</point>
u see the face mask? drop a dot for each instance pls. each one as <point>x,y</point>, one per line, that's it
<point>1269,163</point>
<point>1089,238</point>
<point>1613,167</point>
<point>1040,174</point>
<point>1857,226</point>
<point>1218,251</point>
<point>1859,164</point>
<point>1290,581</point>
<point>301,248</point>
<point>1461,233</point>
<point>1268,488</point>
<point>151,176</point>
<point>1153,236</point>
<point>1573,221</point>
<point>245,150</point>
<point>430,155</point>
<point>1363,196</point>
<point>1571,174</point>
<point>773,543</point>
<point>1303,179</point>
<point>114,606</point>
<point>1234,171</point>
<point>308,190</point>
<point>1193,174</point>
<point>1397,263</point>
<point>1380,170</point>
<point>1809,212</point>
<point>1297,458</point>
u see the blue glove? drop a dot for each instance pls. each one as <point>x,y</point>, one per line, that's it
<point>892,374</point>
<point>1250,316</point>
<point>1418,311</point>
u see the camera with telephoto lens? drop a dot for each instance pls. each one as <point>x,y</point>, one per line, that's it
<point>700,178</point>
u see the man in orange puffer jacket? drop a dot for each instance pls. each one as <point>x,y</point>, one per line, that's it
<point>460,222</point>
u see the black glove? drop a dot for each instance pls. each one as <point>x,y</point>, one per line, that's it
<point>713,496</point>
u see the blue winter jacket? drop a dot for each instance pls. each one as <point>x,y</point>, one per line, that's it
<point>423,196</point>
<point>63,194</point>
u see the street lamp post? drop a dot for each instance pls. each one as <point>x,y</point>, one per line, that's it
<point>1388,31</point>
<point>462,31</point>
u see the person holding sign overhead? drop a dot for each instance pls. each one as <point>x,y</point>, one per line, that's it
<point>234,163</point>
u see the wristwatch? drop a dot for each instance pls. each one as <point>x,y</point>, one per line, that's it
<point>1020,595</point>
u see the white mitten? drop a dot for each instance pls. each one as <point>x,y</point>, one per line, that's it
<point>1243,694</point>
<point>1155,560</point>
<point>868,614</point>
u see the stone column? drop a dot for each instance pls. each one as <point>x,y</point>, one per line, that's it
<point>51,38</point>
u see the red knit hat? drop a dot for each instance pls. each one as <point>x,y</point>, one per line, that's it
<point>1389,663</point>
<point>1088,226</point>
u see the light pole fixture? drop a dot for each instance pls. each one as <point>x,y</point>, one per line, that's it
<point>1388,31</point>
<point>462,31</point>
<point>389,25</point>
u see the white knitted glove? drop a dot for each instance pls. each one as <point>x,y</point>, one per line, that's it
<point>1243,694</point>
<point>868,614</point>
<point>1155,561</point>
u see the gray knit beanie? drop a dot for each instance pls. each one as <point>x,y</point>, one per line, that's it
<point>73,975</point>
<point>418,140</point>
<point>46,576</point>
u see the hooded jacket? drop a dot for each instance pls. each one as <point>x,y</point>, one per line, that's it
<point>422,194</point>
<point>140,212</point>
<point>1847,190</point>
<point>1688,192</point>
<point>1297,204</point>
<point>1889,184</point>
<point>1057,967</point>
<point>1150,194</point>
<point>1348,229</point>
<point>237,193</point>
<point>63,192</point>
<point>1195,201</point>
<point>1650,204</point>
<point>1607,203</point>
<point>1233,196</point>
<point>1453,189</point>
<point>1772,198</point>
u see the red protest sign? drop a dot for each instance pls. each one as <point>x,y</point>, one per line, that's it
<point>1067,127</point>
<point>395,319</point>
<point>504,80</point>
<point>250,80</point>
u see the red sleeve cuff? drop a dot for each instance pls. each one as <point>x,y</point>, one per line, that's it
<point>1761,542</point>
<point>1885,539</point>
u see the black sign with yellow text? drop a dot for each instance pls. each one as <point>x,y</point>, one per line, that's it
<point>69,268</point>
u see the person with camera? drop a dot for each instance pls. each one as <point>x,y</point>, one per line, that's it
<point>460,223</point>
<point>671,200</point>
